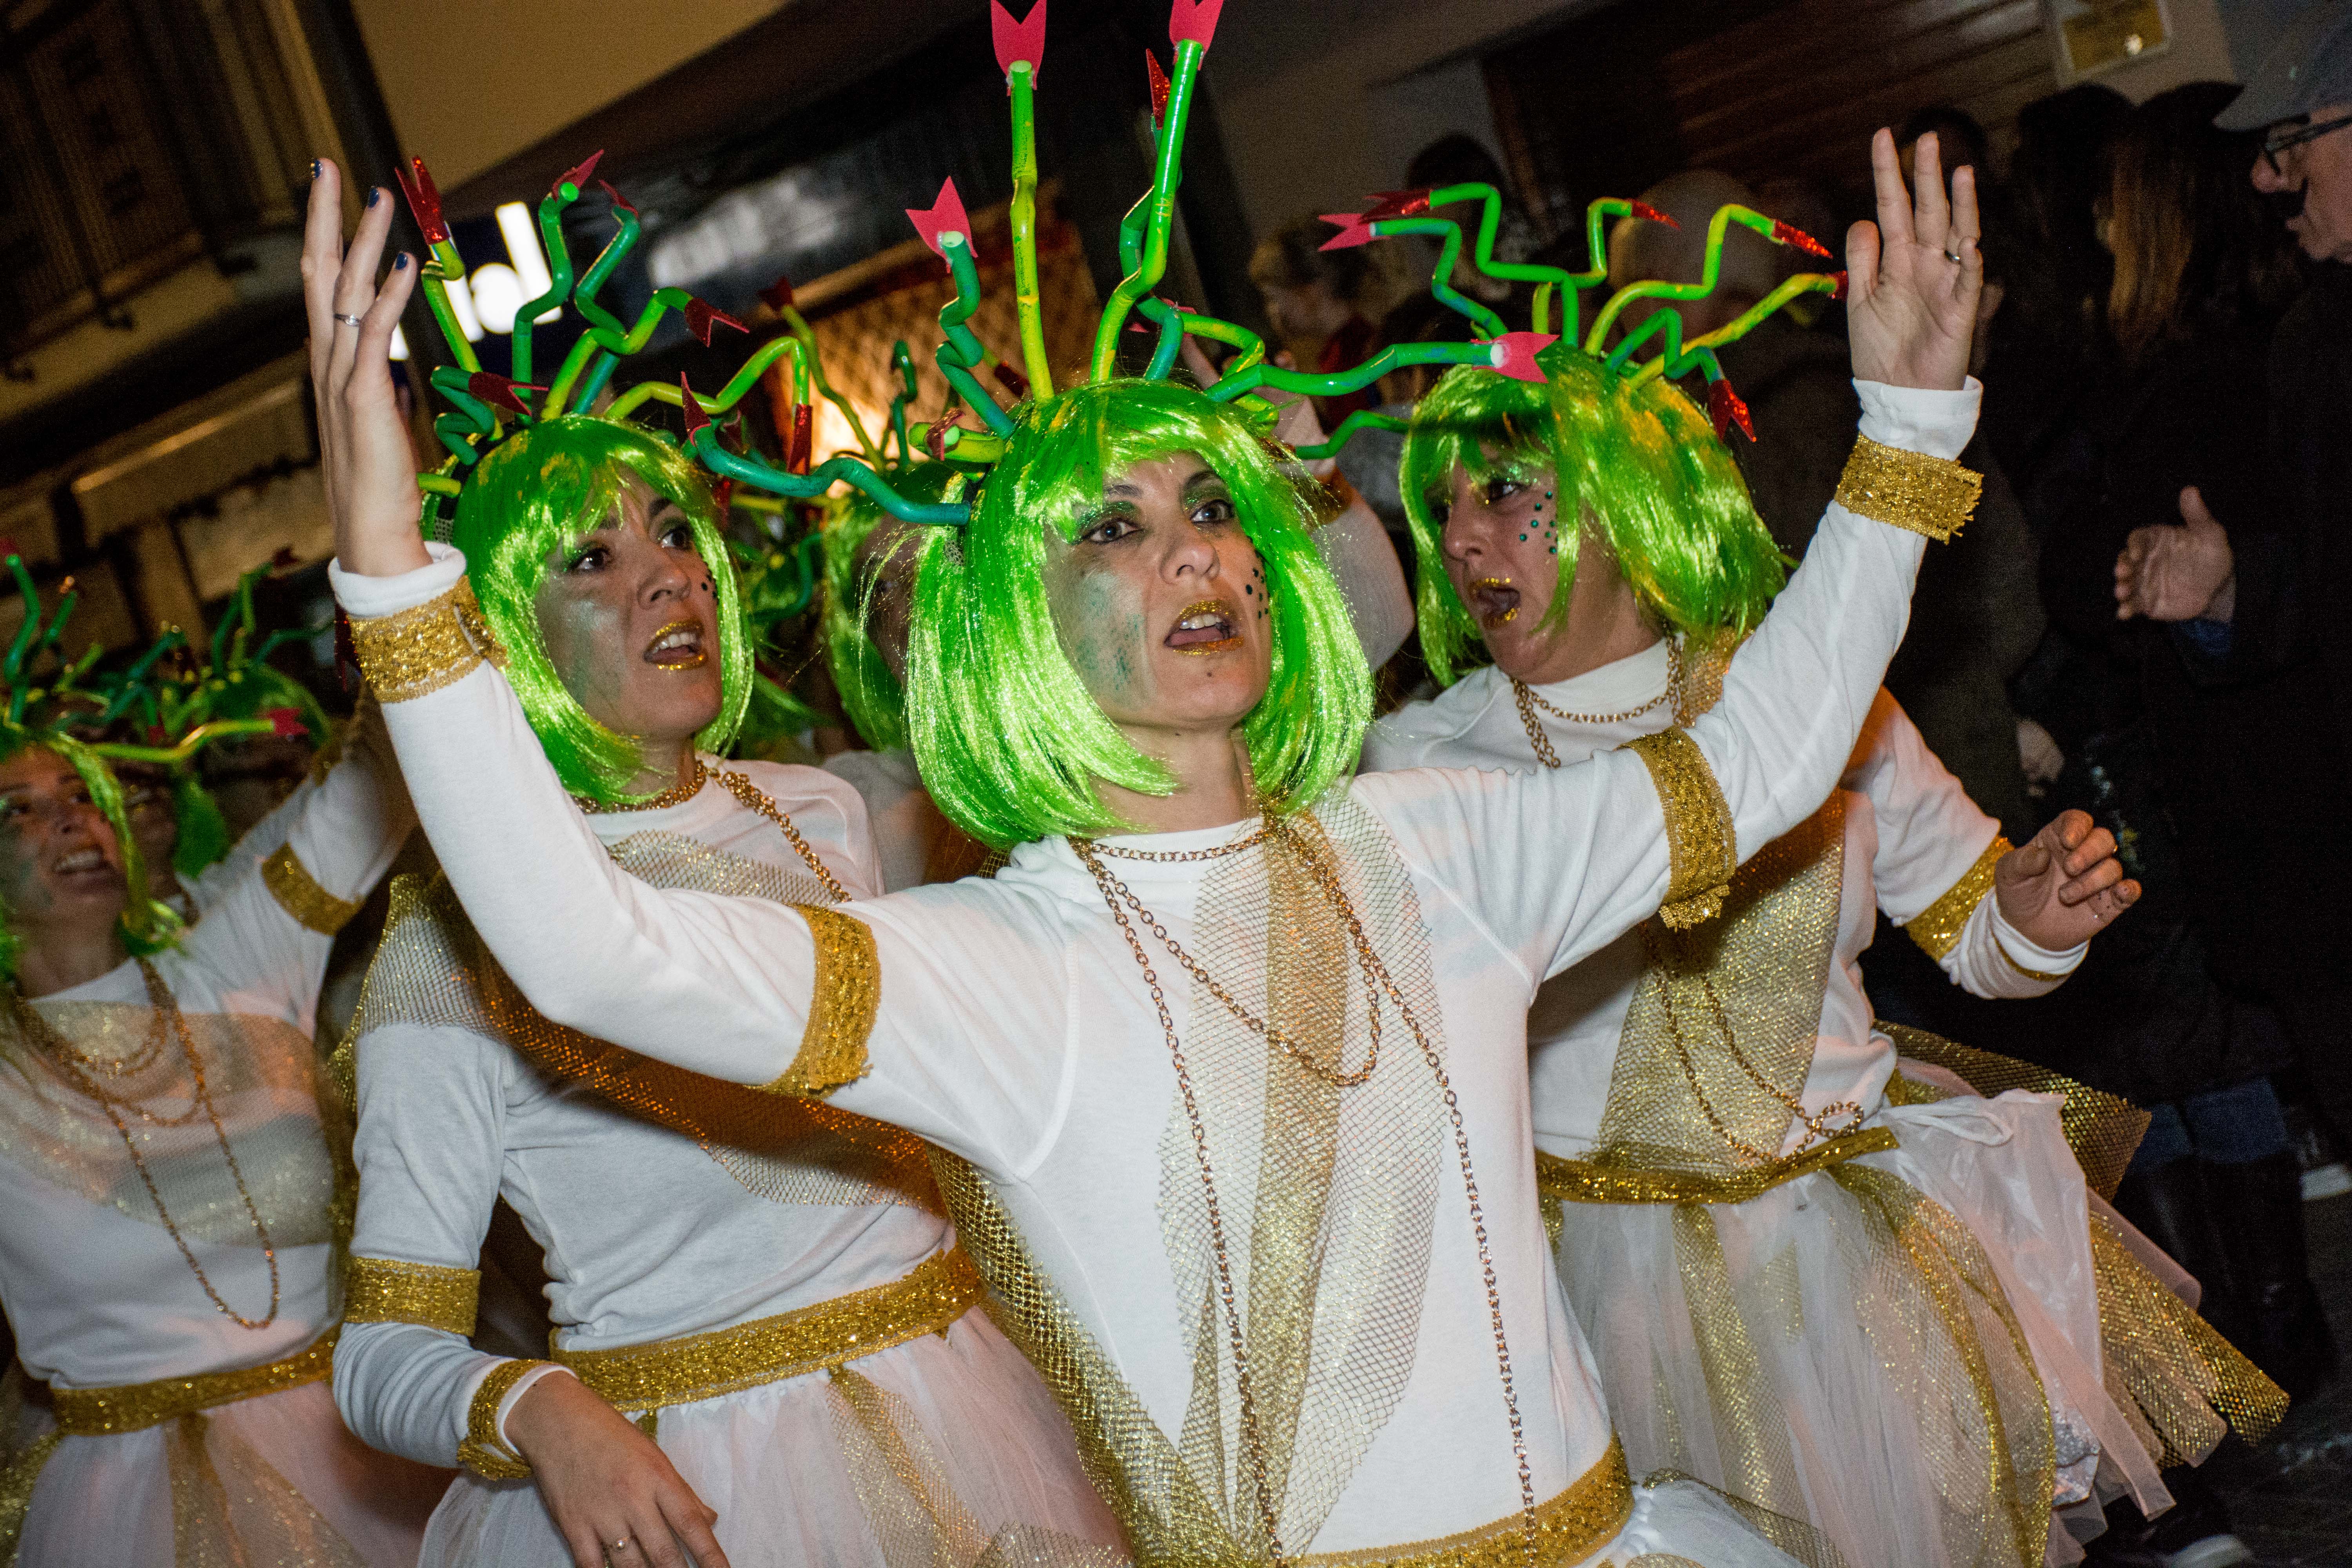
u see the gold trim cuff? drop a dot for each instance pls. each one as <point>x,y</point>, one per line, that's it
<point>1700,841</point>
<point>1933,496</point>
<point>420,650</point>
<point>135,1406</point>
<point>1936,929</point>
<point>387,1291</point>
<point>298,893</point>
<point>484,1452</point>
<point>842,1001</point>
<point>1607,1181</point>
<point>1569,1528</point>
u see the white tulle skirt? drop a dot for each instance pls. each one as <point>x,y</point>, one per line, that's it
<point>272,1482</point>
<point>943,1450</point>
<point>1924,1393</point>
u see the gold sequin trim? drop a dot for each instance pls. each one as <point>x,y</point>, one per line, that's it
<point>1936,929</point>
<point>298,893</point>
<point>1591,1182</point>
<point>635,1378</point>
<point>2002,948</point>
<point>415,651</point>
<point>2184,1380</point>
<point>484,1452</point>
<point>1569,1528</point>
<point>841,1004</point>
<point>1933,496</point>
<point>387,1290</point>
<point>135,1406</point>
<point>1699,834</point>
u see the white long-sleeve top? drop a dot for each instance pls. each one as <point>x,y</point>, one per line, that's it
<point>1911,834</point>
<point>648,1234</point>
<point>1013,1027</point>
<point>96,1293</point>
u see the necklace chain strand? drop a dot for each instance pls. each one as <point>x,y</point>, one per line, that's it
<point>1377,976</point>
<point>1529,701</point>
<point>77,1066</point>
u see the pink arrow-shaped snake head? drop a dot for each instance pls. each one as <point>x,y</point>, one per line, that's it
<point>1644,210</point>
<point>1355,229</point>
<point>778,296</point>
<point>702,316</point>
<point>1514,353</point>
<point>1727,408</point>
<point>577,176</point>
<point>1157,81</point>
<point>499,391</point>
<point>697,421</point>
<point>1018,41</point>
<point>1396,204</point>
<point>1839,292</point>
<point>285,723</point>
<point>1788,234</point>
<point>1193,21</point>
<point>943,216</point>
<point>424,200</point>
<point>620,201</point>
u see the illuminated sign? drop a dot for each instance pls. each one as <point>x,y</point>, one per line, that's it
<point>485,300</point>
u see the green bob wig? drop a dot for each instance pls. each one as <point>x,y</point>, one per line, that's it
<point>1637,461</point>
<point>537,494</point>
<point>1010,743</point>
<point>147,926</point>
<point>870,692</point>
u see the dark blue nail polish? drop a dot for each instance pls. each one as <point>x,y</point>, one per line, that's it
<point>314,168</point>
<point>375,195</point>
<point>400,262</point>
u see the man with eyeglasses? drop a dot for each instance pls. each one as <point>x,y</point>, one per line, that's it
<point>2260,600</point>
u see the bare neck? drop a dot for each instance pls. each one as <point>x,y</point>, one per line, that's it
<point>1605,623</point>
<point>664,761</point>
<point>60,961</point>
<point>1212,781</point>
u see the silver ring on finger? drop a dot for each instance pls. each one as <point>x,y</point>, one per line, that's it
<point>1951,256</point>
<point>354,320</point>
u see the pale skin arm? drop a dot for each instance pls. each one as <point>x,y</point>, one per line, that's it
<point>603,1479</point>
<point>2184,572</point>
<point>2064,887</point>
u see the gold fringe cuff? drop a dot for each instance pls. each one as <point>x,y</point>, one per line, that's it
<point>298,893</point>
<point>484,1452</point>
<point>1570,1528</point>
<point>1933,496</point>
<point>1936,927</point>
<point>135,1406</point>
<point>1700,840</point>
<point>1608,1182</point>
<point>636,1378</point>
<point>415,651</point>
<point>842,1001</point>
<point>387,1291</point>
<point>2185,1379</point>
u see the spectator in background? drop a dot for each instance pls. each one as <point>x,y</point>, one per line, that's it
<point>1316,301</point>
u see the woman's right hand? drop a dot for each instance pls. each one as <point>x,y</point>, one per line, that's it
<point>613,1492</point>
<point>371,471</point>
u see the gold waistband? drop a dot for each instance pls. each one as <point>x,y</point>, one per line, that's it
<point>132,1406</point>
<point>637,1378</point>
<point>1570,1528</point>
<point>1591,1182</point>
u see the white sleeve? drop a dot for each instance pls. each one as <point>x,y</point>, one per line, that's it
<point>970,1031</point>
<point>1994,959</point>
<point>430,1146</point>
<point>1361,554</point>
<point>1557,863</point>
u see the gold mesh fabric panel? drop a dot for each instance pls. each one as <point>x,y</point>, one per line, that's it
<point>1726,1013</point>
<point>2182,1378</point>
<point>231,1509</point>
<point>2103,1130</point>
<point>262,1075</point>
<point>1700,841</point>
<point>433,969</point>
<point>1594,1182</point>
<point>1936,927</point>
<point>1340,1184</point>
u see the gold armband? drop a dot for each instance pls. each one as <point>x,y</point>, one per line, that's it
<point>1933,496</point>
<point>298,893</point>
<point>1700,841</point>
<point>387,1290</point>
<point>1936,929</point>
<point>2033,974</point>
<point>842,1005</point>
<point>421,650</point>
<point>484,1452</point>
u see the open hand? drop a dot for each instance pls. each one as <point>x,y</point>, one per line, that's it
<point>605,1482</point>
<point>2064,887</point>
<point>1913,278</point>
<point>371,471</point>
<point>2178,574</point>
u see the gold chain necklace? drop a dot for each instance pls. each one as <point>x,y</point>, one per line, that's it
<point>1328,882</point>
<point>689,784</point>
<point>78,1069</point>
<point>1529,701</point>
<point>691,774</point>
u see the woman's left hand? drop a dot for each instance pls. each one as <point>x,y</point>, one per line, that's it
<point>2065,887</point>
<point>1913,280</point>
